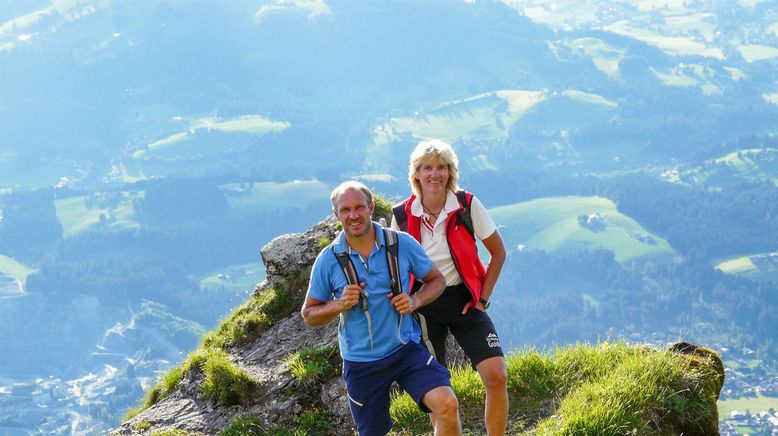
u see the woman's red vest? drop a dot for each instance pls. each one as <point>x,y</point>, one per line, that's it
<point>461,245</point>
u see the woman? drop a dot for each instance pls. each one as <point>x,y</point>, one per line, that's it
<point>436,216</point>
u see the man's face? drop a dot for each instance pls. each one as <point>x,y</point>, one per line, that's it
<point>354,213</point>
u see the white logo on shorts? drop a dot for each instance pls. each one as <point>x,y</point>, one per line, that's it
<point>492,340</point>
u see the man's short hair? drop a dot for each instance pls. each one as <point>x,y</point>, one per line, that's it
<point>345,186</point>
<point>431,149</point>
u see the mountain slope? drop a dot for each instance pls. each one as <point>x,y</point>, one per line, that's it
<point>263,371</point>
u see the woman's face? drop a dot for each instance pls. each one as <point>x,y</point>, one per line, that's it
<point>433,176</point>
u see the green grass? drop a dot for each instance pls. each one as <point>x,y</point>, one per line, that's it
<point>142,426</point>
<point>258,314</point>
<point>471,118</point>
<point>756,52</point>
<point>609,389</point>
<point>244,426</point>
<point>223,382</point>
<point>127,175</point>
<point>759,403</point>
<point>269,196</point>
<point>738,265</point>
<point>173,432</point>
<point>312,364</point>
<point>605,57</point>
<point>13,268</point>
<point>486,116</point>
<point>551,224</point>
<point>383,208</point>
<point>762,267</point>
<point>243,277</point>
<point>76,216</point>
<point>673,45</point>
<point>177,142</point>
<point>683,23</point>
<point>588,98</point>
<point>310,422</point>
<point>758,164</point>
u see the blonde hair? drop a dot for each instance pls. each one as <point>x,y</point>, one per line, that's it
<point>345,186</point>
<point>430,149</point>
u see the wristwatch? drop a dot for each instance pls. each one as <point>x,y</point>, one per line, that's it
<point>484,302</point>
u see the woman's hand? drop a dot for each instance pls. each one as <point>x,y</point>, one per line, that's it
<point>469,305</point>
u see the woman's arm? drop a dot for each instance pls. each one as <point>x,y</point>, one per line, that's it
<point>496,249</point>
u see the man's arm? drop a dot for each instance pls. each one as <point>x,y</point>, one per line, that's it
<point>434,285</point>
<point>317,313</point>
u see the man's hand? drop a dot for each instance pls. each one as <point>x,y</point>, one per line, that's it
<point>403,303</point>
<point>350,296</point>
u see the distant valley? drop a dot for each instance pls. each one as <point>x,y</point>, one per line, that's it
<point>627,151</point>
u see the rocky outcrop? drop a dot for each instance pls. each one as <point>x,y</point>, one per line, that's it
<point>282,401</point>
<point>280,397</point>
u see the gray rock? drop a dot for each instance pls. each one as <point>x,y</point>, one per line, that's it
<point>288,255</point>
<point>280,397</point>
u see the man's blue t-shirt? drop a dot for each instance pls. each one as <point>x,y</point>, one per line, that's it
<point>328,280</point>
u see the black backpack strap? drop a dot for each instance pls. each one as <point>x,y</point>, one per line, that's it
<point>390,238</point>
<point>400,217</point>
<point>463,215</point>
<point>347,267</point>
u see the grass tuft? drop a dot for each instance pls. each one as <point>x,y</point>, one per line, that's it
<point>249,320</point>
<point>609,389</point>
<point>311,422</point>
<point>244,426</point>
<point>323,242</point>
<point>173,432</point>
<point>313,364</point>
<point>383,208</point>
<point>225,383</point>
<point>142,426</point>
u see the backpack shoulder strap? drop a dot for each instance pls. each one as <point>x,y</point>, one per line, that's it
<point>463,216</point>
<point>390,238</point>
<point>400,217</point>
<point>347,267</point>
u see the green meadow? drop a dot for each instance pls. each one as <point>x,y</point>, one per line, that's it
<point>488,117</point>
<point>552,225</point>
<point>753,404</point>
<point>127,172</point>
<point>756,52</point>
<point>243,277</point>
<point>268,196</point>
<point>576,13</point>
<point>762,267</point>
<point>674,45</point>
<point>605,57</point>
<point>76,215</point>
<point>758,164</point>
<point>177,142</point>
<point>12,275</point>
<point>690,75</point>
<point>683,23</point>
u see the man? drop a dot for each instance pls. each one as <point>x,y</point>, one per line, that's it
<point>379,340</point>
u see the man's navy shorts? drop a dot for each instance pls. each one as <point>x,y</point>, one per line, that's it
<point>368,385</point>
